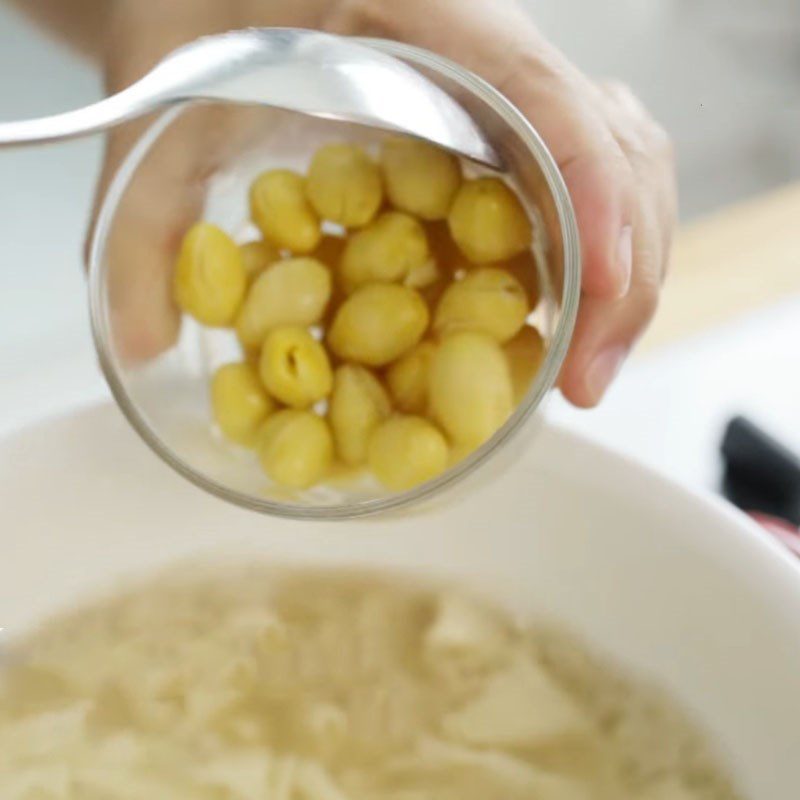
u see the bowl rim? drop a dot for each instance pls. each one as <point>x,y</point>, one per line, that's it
<point>544,381</point>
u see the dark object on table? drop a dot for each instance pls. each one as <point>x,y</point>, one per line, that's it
<point>760,473</point>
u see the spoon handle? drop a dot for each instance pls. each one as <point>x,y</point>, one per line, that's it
<point>297,70</point>
<point>118,108</point>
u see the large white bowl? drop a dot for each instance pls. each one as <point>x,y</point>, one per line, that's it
<point>675,586</point>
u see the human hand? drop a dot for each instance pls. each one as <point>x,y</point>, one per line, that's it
<point>617,163</point>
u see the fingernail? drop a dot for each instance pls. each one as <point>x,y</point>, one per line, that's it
<point>603,370</point>
<point>624,265</point>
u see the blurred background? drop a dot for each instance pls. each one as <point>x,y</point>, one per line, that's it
<point>723,76</point>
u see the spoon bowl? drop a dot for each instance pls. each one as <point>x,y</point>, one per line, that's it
<point>309,72</point>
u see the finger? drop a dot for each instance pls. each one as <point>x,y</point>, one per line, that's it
<point>165,195</point>
<point>606,331</point>
<point>650,151</point>
<point>561,105</point>
<point>163,198</point>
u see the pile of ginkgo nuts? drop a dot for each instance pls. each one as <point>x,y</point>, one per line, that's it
<point>401,344</point>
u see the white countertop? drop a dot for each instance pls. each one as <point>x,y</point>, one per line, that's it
<point>667,409</point>
<point>46,359</point>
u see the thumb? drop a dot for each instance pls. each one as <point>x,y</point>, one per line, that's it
<point>162,199</point>
<point>165,195</point>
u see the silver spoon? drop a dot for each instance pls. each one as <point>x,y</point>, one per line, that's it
<point>299,70</point>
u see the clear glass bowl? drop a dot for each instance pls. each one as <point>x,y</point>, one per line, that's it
<point>166,398</point>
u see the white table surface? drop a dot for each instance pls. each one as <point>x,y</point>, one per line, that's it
<point>667,409</point>
<point>46,360</point>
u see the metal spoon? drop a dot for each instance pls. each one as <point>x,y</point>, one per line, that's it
<point>299,70</point>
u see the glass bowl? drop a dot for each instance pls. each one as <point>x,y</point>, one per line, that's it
<point>165,398</point>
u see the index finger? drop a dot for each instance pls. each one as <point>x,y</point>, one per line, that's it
<point>558,101</point>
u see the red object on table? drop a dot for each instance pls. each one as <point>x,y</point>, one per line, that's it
<point>782,530</point>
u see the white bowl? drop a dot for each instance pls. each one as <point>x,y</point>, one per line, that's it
<point>675,586</point>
